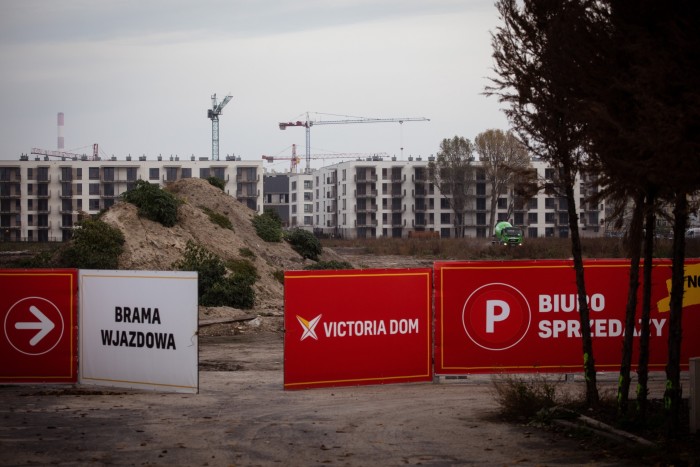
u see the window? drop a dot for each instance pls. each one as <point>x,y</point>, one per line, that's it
<point>549,174</point>
<point>79,188</point>
<point>30,188</point>
<point>481,189</point>
<point>219,172</point>
<point>308,185</point>
<point>480,218</point>
<point>94,205</point>
<point>294,185</point>
<point>79,173</point>
<point>94,189</point>
<point>94,173</point>
<point>519,218</point>
<point>502,203</point>
<point>444,203</point>
<point>309,208</point>
<point>445,218</point>
<point>308,196</point>
<point>108,189</point>
<point>204,173</point>
<point>108,174</point>
<point>308,220</point>
<point>294,197</point>
<point>532,232</point>
<point>30,205</point>
<point>532,218</point>
<point>549,218</point>
<point>481,204</point>
<point>187,172</point>
<point>30,173</point>
<point>532,203</point>
<point>170,174</point>
<point>294,208</point>
<point>502,216</point>
<point>153,173</point>
<point>550,203</point>
<point>109,203</point>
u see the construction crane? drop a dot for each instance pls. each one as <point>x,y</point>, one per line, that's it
<point>66,154</point>
<point>349,119</point>
<point>295,160</point>
<point>213,114</point>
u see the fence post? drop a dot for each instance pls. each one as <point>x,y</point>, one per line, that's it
<point>694,397</point>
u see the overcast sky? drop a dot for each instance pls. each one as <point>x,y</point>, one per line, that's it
<point>136,76</point>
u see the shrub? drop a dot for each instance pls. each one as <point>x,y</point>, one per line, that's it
<point>153,202</point>
<point>215,287</point>
<point>95,245</point>
<point>217,182</point>
<point>218,218</point>
<point>329,265</point>
<point>230,291</point>
<point>279,275</point>
<point>243,268</point>
<point>210,267</point>
<point>246,252</point>
<point>521,398</point>
<point>268,226</point>
<point>304,243</point>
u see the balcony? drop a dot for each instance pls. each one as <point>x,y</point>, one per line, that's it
<point>10,194</point>
<point>46,210</point>
<point>398,223</point>
<point>366,209</point>
<point>46,179</point>
<point>366,223</point>
<point>109,196</point>
<point>366,178</point>
<point>370,194</point>
<point>43,195</point>
<point>13,225</point>
<point>397,209</point>
<point>397,194</point>
<point>240,194</point>
<point>44,226</point>
<point>247,179</point>
<point>65,195</point>
<point>66,227</point>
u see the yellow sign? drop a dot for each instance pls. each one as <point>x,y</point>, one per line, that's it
<point>691,289</point>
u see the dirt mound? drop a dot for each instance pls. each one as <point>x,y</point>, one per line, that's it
<point>151,246</point>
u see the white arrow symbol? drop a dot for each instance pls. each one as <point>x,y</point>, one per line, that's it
<point>44,325</point>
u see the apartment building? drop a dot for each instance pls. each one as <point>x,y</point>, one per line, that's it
<point>388,198</point>
<point>41,198</point>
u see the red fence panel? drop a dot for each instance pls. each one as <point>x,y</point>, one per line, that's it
<point>355,327</point>
<point>38,341</point>
<point>522,316</point>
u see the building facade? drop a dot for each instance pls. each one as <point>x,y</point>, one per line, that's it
<point>41,198</point>
<point>389,198</point>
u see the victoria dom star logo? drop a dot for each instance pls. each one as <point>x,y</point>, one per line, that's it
<point>309,327</point>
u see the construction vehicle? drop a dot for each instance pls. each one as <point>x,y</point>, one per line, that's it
<point>506,234</point>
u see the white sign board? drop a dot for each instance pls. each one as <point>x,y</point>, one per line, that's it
<point>138,329</point>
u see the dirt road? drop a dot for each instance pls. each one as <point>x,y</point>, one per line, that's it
<point>242,416</point>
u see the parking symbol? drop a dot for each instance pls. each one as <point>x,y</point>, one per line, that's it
<point>496,316</point>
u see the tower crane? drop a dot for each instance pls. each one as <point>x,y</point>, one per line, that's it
<point>66,154</point>
<point>213,114</point>
<point>349,119</point>
<point>296,159</point>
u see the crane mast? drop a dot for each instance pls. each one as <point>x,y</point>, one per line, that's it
<point>309,123</point>
<point>213,114</point>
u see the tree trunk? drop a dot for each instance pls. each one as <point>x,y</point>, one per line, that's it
<point>643,369</point>
<point>592,397</point>
<point>492,215</point>
<point>673,393</point>
<point>634,240</point>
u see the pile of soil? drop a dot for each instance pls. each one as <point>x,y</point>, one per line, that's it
<point>152,246</point>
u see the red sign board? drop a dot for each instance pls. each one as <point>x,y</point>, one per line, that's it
<point>38,339</point>
<point>522,316</point>
<point>355,327</point>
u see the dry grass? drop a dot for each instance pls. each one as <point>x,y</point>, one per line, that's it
<point>482,249</point>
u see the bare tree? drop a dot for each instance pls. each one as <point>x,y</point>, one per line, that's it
<point>503,159</point>
<point>453,173</point>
